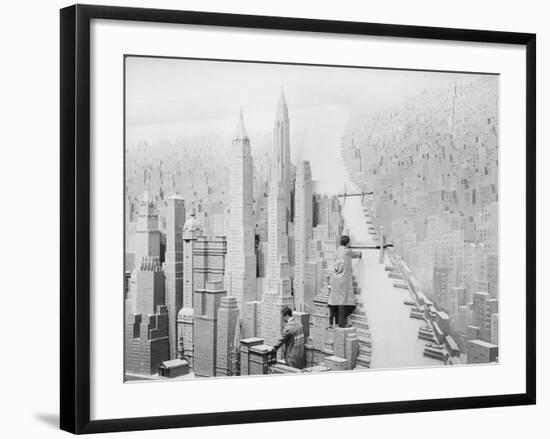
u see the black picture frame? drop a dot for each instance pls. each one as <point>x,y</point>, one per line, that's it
<point>75,216</point>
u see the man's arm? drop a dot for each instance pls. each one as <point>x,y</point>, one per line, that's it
<point>354,254</point>
<point>284,337</point>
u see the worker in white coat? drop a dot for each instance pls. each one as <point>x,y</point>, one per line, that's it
<point>341,300</point>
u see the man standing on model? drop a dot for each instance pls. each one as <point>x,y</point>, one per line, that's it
<point>293,340</point>
<point>341,299</point>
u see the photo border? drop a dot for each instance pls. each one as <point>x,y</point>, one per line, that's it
<point>242,61</point>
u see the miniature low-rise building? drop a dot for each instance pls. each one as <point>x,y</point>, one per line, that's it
<point>174,368</point>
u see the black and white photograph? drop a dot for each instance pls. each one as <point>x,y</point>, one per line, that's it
<point>247,219</point>
<point>297,218</point>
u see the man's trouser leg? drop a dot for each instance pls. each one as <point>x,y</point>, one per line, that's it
<point>333,315</point>
<point>342,317</point>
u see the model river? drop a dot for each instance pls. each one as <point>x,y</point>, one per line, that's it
<point>395,341</point>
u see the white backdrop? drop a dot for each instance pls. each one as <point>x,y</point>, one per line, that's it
<point>111,398</point>
<point>29,97</point>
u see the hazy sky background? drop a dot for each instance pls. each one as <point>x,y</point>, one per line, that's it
<point>167,99</point>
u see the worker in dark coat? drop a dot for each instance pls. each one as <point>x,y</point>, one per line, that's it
<point>341,299</point>
<point>292,339</point>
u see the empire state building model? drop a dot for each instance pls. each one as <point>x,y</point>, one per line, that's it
<point>241,259</point>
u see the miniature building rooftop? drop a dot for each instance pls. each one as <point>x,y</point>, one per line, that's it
<point>174,363</point>
<point>184,312</point>
<point>175,197</point>
<point>240,132</point>
<point>483,343</point>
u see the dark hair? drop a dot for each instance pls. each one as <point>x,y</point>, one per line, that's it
<point>286,311</point>
<point>344,240</point>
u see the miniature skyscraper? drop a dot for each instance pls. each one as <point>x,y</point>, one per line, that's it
<point>207,301</point>
<point>228,320</point>
<point>191,231</point>
<point>303,231</point>
<point>147,344</point>
<point>277,290</point>
<point>241,259</point>
<point>147,230</point>
<point>173,266</point>
<point>281,150</point>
